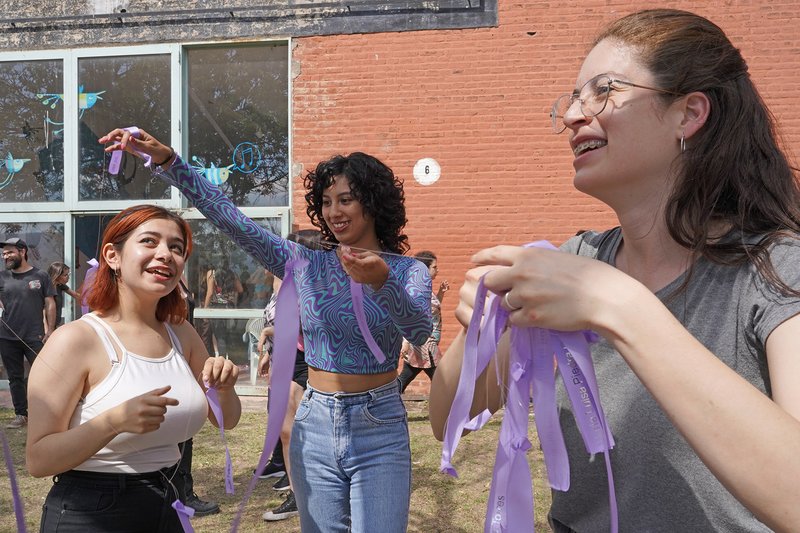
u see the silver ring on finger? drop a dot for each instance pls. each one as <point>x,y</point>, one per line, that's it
<point>511,307</point>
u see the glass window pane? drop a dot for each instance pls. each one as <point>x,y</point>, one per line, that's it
<point>45,240</point>
<point>230,337</point>
<point>238,120</point>
<point>118,92</point>
<point>236,279</point>
<point>32,140</point>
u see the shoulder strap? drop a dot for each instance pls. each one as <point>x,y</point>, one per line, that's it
<point>173,337</point>
<point>102,330</point>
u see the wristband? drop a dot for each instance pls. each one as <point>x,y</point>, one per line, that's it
<point>171,155</point>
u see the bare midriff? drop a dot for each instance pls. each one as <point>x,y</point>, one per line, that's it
<point>325,381</point>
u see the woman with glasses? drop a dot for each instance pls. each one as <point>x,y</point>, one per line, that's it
<point>695,294</point>
<point>59,275</point>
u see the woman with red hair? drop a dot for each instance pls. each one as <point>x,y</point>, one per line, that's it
<point>113,394</point>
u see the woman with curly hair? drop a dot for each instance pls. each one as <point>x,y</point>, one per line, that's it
<point>350,446</point>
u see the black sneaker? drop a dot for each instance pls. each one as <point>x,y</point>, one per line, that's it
<point>282,483</point>
<point>272,470</point>
<point>200,507</point>
<point>285,510</point>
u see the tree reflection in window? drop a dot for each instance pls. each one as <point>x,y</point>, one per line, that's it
<point>238,120</point>
<point>136,91</point>
<point>31,155</point>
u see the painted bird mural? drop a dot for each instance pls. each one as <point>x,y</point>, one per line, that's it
<point>12,166</point>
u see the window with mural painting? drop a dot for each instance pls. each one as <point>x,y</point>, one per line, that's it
<point>114,91</point>
<point>238,120</point>
<point>31,114</point>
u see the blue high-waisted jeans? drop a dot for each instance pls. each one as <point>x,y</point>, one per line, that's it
<point>351,461</point>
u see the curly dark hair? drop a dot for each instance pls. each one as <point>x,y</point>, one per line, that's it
<point>375,187</point>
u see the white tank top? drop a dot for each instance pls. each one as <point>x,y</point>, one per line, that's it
<point>132,376</point>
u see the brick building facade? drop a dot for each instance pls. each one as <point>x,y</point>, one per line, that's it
<point>474,97</point>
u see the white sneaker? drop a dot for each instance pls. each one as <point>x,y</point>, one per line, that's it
<point>19,421</point>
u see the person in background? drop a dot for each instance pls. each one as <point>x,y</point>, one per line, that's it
<point>425,357</point>
<point>59,275</point>
<point>113,394</point>
<point>696,294</point>
<point>28,319</point>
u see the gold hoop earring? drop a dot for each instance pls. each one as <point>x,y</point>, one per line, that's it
<point>683,142</point>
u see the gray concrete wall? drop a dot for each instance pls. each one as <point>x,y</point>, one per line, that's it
<point>54,24</point>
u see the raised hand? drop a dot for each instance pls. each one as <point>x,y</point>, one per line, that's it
<point>122,139</point>
<point>555,290</point>
<point>364,267</point>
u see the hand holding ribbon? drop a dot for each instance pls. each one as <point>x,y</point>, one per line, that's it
<point>531,355</point>
<point>137,142</point>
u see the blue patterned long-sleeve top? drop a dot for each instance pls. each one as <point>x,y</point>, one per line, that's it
<point>333,341</point>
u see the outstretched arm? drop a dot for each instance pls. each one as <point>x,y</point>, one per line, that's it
<point>267,248</point>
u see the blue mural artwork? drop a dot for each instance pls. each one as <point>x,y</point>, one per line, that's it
<point>85,101</point>
<point>214,174</point>
<point>12,166</point>
<point>246,157</point>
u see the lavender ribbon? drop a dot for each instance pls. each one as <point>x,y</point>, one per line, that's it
<point>184,514</point>
<point>116,157</point>
<point>88,280</point>
<point>216,408</point>
<point>357,294</point>
<point>531,375</point>
<point>287,329</point>
<point>19,511</point>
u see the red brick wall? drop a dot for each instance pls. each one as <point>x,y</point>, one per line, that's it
<point>477,101</point>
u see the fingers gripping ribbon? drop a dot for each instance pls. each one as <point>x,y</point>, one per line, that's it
<point>116,157</point>
<point>530,376</point>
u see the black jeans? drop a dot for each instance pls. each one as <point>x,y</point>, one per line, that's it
<point>410,372</point>
<point>14,353</point>
<point>81,502</point>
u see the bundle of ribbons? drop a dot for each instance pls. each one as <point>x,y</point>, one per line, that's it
<point>535,357</point>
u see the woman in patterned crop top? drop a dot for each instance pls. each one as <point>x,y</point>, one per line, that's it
<point>350,447</point>
<point>112,395</point>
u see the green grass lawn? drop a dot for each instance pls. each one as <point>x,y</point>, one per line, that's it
<point>439,503</point>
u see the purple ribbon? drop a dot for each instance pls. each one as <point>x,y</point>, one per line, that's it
<point>116,157</point>
<point>19,511</point>
<point>357,293</point>
<point>284,350</point>
<point>88,279</point>
<point>531,375</point>
<point>216,408</point>
<point>184,514</point>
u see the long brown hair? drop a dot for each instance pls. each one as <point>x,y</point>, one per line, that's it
<point>103,293</point>
<point>733,170</point>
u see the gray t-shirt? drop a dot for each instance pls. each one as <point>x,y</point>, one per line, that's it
<point>23,299</point>
<point>661,484</point>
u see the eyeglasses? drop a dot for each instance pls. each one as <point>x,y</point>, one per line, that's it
<point>593,98</point>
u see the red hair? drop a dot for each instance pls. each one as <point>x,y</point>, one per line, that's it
<point>103,294</point>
